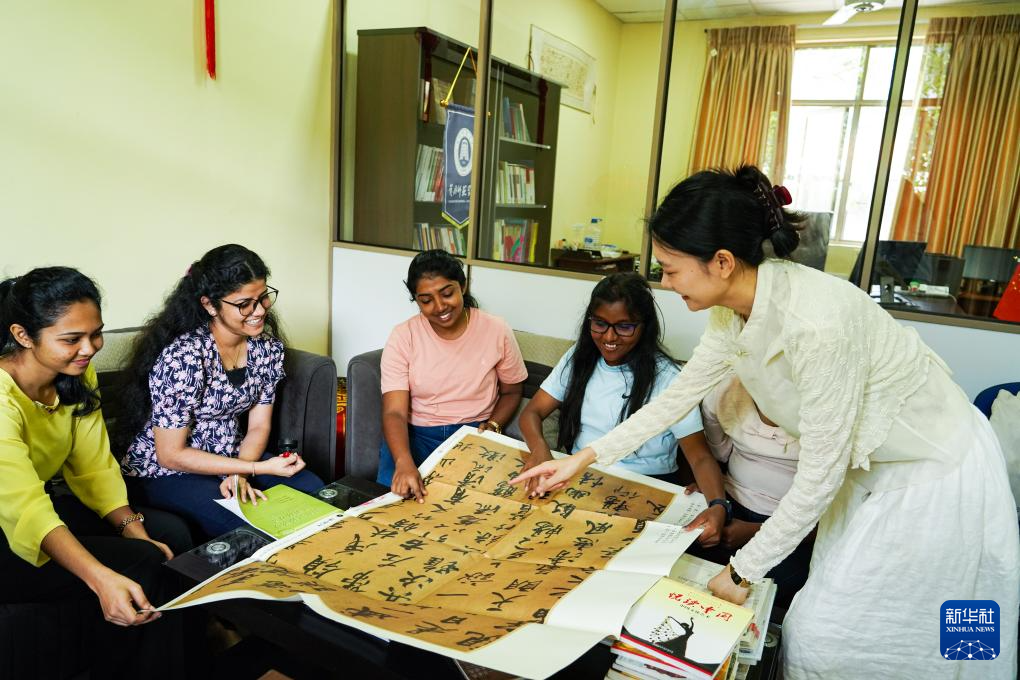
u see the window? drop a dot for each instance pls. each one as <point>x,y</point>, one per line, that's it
<point>838,105</point>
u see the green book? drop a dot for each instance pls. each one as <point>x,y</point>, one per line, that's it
<point>285,510</point>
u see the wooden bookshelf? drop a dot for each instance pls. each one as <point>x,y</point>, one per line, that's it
<point>394,118</point>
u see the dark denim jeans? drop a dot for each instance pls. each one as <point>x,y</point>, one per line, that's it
<point>424,439</point>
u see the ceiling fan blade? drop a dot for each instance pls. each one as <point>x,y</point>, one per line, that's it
<point>841,16</point>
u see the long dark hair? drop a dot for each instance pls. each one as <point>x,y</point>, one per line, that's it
<point>429,263</point>
<point>716,210</point>
<point>642,360</point>
<point>35,301</point>
<point>219,273</point>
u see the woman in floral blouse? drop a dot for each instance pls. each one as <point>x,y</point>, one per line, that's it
<point>211,356</point>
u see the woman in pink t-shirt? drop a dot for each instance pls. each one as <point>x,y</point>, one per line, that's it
<point>449,365</point>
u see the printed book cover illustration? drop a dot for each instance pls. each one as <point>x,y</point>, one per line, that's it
<point>685,627</point>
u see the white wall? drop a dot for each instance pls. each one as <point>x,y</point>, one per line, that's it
<point>978,359</point>
<point>553,305</point>
<point>369,299</point>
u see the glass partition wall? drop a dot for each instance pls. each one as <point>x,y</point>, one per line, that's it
<point>926,211</point>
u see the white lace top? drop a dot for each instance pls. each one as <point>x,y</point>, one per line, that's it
<point>827,364</point>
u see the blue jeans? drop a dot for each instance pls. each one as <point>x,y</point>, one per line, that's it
<point>424,439</point>
<point>192,496</point>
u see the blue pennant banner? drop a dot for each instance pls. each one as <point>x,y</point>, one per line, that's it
<point>458,154</point>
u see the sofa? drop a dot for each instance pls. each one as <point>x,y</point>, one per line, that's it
<point>364,400</point>
<point>305,410</point>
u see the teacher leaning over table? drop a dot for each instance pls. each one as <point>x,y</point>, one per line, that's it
<point>903,476</point>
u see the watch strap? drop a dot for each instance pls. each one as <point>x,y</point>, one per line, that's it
<point>727,506</point>
<point>738,580</point>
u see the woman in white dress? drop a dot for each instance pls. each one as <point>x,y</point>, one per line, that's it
<point>903,476</point>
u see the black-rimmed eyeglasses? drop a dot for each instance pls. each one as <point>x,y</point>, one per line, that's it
<point>624,329</point>
<point>247,307</point>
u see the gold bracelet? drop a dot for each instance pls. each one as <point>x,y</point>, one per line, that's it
<point>137,517</point>
<point>493,425</point>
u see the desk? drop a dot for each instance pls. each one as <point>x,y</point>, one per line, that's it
<point>582,261</point>
<point>913,302</point>
<point>343,652</point>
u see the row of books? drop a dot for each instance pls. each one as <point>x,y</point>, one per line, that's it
<point>433,92</point>
<point>428,174</point>
<point>514,124</point>
<point>516,184</point>
<point>439,236</point>
<point>514,239</point>
<point>680,630</point>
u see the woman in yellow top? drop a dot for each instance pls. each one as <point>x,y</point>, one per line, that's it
<point>56,547</point>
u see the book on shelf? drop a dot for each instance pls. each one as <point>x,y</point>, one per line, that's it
<point>440,91</point>
<point>516,184</point>
<point>515,126</point>
<point>698,572</point>
<point>424,98</point>
<point>514,239</point>
<point>428,174</point>
<point>683,630</point>
<point>439,237</point>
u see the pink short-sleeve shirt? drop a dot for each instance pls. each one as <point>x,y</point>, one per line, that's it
<point>452,381</point>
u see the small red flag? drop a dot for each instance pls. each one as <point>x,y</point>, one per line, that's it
<point>1008,308</point>
<point>210,38</point>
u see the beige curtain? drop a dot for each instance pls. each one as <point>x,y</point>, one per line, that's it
<point>961,185</point>
<point>744,111</point>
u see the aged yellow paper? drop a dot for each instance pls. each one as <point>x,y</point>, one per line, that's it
<point>478,563</point>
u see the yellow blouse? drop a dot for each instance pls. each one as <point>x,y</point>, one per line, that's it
<point>35,445</point>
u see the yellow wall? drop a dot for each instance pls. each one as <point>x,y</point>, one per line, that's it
<point>118,155</point>
<point>632,134</point>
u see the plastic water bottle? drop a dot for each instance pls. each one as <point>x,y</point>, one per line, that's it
<point>593,235</point>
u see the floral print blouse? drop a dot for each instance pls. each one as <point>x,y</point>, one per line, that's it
<point>190,389</point>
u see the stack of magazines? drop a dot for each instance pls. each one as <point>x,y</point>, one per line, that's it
<point>679,630</point>
<point>698,572</point>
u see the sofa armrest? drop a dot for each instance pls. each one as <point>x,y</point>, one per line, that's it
<point>364,415</point>
<point>305,409</point>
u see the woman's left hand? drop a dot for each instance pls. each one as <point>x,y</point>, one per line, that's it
<point>710,521</point>
<point>722,585</point>
<point>245,491</point>
<point>137,530</point>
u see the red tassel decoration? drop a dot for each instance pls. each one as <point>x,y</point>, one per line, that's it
<point>210,38</point>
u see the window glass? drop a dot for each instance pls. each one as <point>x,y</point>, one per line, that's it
<point>818,134</point>
<point>827,73</point>
<point>950,231</point>
<point>570,113</point>
<point>402,57</point>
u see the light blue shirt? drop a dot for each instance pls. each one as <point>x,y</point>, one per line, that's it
<point>606,394</point>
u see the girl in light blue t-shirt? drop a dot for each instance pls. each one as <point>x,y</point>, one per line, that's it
<point>617,365</point>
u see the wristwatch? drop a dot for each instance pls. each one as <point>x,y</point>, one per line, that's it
<point>727,506</point>
<point>495,427</point>
<point>738,580</point>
